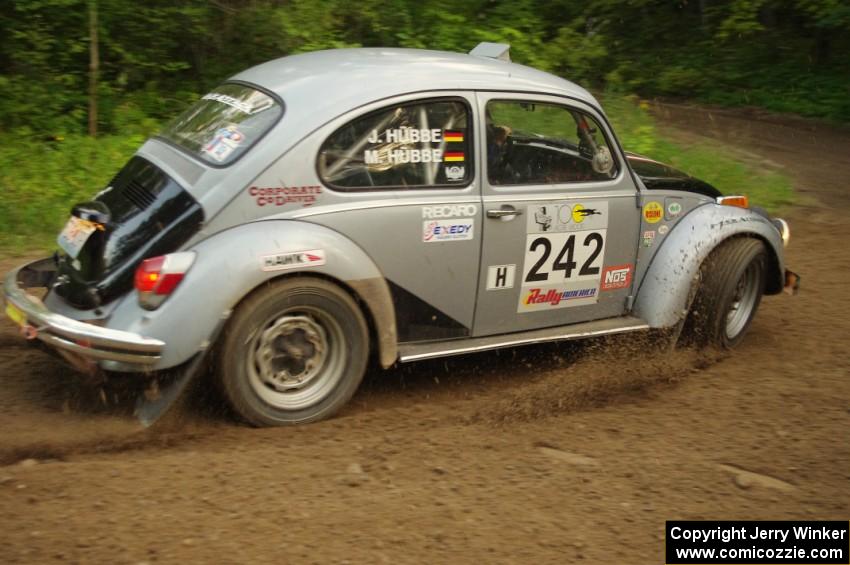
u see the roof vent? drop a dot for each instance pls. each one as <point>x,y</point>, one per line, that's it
<point>500,51</point>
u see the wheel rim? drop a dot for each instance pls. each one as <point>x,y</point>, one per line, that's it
<point>744,301</point>
<point>296,358</point>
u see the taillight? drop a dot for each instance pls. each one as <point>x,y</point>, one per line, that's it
<point>157,277</point>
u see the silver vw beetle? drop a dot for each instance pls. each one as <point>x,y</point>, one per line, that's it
<point>323,208</point>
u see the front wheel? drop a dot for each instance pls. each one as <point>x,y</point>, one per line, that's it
<point>731,287</point>
<point>294,352</point>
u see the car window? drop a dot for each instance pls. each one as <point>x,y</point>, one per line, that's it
<point>541,143</point>
<point>224,123</point>
<point>415,145</point>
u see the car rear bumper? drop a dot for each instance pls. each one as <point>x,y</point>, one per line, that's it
<point>79,342</point>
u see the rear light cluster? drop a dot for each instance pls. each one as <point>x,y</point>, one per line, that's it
<point>157,277</point>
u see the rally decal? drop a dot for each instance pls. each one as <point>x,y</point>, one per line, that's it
<point>459,224</point>
<point>673,208</point>
<point>293,260</point>
<point>564,254</point>
<point>226,140</point>
<point>500,277</point>
<point>617,277</point>
<point>455,172</point>
<point>653,212</point>
<point>434,231</point>
<point>283,195</point>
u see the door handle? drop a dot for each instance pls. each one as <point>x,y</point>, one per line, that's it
<point>504,212</point>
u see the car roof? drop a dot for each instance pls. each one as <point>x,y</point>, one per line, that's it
<point>339,80</point>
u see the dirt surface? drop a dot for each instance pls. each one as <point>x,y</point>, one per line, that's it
<point>554,454</point>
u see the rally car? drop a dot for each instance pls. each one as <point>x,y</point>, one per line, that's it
<point>322,208</point>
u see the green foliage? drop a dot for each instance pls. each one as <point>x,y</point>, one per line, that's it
<point>786,55</point>
<point>41,181</point>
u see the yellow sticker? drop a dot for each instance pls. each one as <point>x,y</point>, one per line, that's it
<point>653,212</point>
<point>15,314</point>
<point>578,217</point>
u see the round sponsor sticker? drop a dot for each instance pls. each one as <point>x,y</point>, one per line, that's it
<point>674,208</point>
<point>578,217</point>
<point>653,212</point>
<point>663,229</point>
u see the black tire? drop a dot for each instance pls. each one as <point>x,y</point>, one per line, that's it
<point>732,283</point>
<point>294,352</point>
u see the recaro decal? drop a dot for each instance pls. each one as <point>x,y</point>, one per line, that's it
<point>450,211</point>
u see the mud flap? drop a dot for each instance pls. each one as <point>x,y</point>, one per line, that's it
<point>153,404</point>
<point>159,398</point>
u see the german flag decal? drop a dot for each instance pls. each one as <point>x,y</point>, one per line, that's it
<point>453,156</point>
<point>452,136</point>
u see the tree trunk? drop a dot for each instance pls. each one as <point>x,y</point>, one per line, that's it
<point>94,64</point>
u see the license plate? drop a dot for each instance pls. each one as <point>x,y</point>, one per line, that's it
<point>75,235</point>
<point>15,314</point>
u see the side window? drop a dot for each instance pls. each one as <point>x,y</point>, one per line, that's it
<point>416,145</point>
<point>536,143</point>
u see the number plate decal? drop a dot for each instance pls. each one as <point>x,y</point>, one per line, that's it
<point>75,235</point>
<point>564,255</point>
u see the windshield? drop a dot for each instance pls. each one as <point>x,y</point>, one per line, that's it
<point>224,124</point>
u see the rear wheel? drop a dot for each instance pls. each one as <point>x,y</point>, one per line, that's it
<point>294,352</point>
<point>731,287</point>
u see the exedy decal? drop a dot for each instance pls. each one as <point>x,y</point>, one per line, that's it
<point>447,230</point>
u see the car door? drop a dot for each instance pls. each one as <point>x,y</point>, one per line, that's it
<point>561,218</point>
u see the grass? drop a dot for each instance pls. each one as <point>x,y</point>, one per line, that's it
<point>41,180</point>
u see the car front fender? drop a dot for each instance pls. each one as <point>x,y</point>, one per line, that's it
<point>664,293</point>
<point>232,263</point>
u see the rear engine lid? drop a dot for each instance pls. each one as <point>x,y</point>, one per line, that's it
<point>142,212</point>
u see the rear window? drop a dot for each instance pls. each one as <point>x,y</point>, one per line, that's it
<point>220,127</point>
